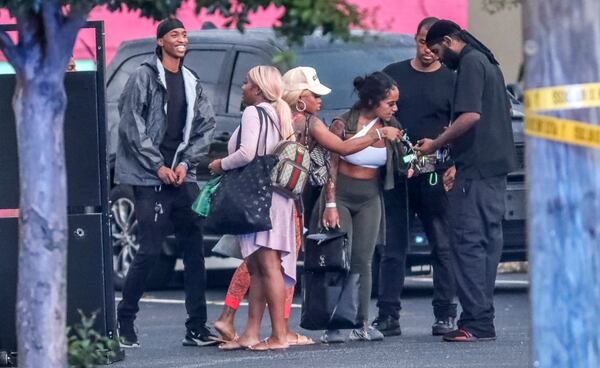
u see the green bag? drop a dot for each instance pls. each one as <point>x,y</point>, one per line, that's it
<point>202,204</point>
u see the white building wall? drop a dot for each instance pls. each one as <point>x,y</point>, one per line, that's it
<point>502,32</point>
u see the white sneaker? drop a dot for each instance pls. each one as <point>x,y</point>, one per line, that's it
<point>332,337</point>
<point>369,333</point>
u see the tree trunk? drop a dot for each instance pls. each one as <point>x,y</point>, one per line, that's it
<point>46,39</point>
<point>562,46</point>
<point>39,105</point>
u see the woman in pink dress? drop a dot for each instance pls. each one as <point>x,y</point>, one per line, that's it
<point>270,255</point>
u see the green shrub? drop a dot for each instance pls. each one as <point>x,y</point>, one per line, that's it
<point>86,346</point>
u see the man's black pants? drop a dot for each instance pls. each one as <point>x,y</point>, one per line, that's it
<point>159,211</point>
<point>476,212</point>
<point>430,203</point>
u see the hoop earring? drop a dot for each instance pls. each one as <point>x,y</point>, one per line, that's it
<point>303,106</point>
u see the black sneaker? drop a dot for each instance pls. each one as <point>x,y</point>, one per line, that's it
<point>202,336</point>
<point>387,325</point>
<point>127,336</point>
<point>442,326</point>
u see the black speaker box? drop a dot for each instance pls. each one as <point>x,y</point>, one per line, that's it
<point>89,277</point>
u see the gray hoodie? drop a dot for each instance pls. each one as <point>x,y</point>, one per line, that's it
<point>143,112</point>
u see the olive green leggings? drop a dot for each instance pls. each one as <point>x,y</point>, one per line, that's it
<point>359,205</point>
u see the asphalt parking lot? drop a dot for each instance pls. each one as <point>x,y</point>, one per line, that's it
<point>162,315</point>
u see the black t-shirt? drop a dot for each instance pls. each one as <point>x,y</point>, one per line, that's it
<point>425,102</point>
<point>176,114</point>
<point>488,148</point>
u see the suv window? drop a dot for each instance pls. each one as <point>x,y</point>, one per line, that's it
<point>338,67</point>
<point>207,64</point>
<point>117,83</point>
<point>243,63</point>
<point>113,92</point>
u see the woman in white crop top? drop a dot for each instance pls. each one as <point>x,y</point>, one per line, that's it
<point>353,193</point>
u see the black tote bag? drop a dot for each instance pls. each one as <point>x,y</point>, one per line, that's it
<point>329,301</point>
<point>242,202</point>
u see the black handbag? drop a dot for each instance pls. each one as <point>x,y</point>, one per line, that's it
<point>242,202</point>
<point>329,301</point>
<point>327,251</point>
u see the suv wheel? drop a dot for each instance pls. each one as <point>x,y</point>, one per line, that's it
<point>125,242</point>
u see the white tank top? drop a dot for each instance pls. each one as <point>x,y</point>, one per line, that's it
<point>370,157</point>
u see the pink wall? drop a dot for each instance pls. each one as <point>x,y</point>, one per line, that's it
<point>390,15</point>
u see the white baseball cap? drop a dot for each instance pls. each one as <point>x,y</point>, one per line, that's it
<point>304,77</point>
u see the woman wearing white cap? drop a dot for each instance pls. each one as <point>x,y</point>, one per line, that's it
<point>302,91</point>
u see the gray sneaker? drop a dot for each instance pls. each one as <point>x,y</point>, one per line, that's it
<point>332,337</point>
<point>369,333</point>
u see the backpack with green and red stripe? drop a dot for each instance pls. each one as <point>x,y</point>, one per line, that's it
<point>291,171</point>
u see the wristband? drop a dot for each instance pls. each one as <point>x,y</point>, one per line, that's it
<point>330,205</point>
<point>185,165</point>
<point>378,133</point>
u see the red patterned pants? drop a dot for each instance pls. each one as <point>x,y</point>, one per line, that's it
<point>240,282</point>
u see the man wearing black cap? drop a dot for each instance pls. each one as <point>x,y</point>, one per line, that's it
<point>426,90</point>
<point>166,127</point>
<point>483,150</point>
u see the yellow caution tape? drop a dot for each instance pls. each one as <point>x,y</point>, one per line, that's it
<point>563,130</point>
<point>573,96</point>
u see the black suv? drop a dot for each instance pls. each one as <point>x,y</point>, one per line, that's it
<point>222,58</point>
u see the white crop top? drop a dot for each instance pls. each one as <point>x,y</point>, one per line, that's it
<point>370,157</point>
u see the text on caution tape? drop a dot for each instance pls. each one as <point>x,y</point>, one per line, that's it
<point>563,130</point>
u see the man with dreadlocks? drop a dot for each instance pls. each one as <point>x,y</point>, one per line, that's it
<point>482,146</point>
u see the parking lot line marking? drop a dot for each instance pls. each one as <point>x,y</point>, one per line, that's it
<point>498,282</point>
<point>220,303</point>
<point>182,301</point>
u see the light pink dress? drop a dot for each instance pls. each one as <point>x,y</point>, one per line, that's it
<point>282,236</point>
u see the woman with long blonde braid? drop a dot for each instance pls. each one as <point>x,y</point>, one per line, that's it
<point>270,255</point>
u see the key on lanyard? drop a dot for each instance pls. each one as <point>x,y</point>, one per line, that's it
<point>157,210</point>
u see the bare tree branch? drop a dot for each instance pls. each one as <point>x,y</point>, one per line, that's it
<point>8,47</point>
<point>51,16</point>
<point>76,17</point>
<point>60,28</point>
<point>72,23</point>
<point>29,26</point>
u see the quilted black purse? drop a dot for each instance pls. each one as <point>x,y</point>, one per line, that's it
<point>242,202</point>
<point>327,251</point>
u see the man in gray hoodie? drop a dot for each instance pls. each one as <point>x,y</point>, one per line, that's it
<point>166,127</point>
